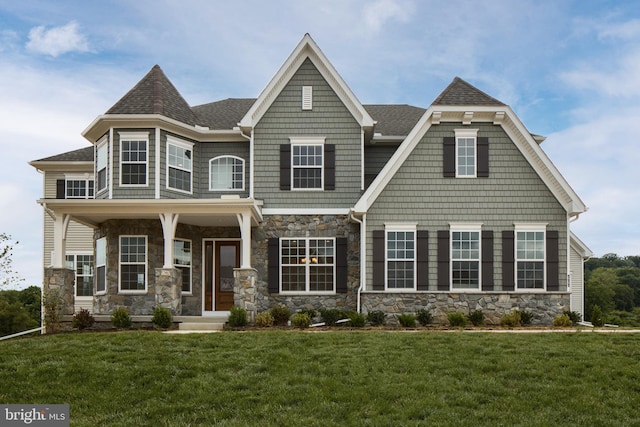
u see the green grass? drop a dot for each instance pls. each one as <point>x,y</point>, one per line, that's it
<point>365,378</point>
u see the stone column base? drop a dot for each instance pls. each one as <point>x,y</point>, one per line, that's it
<point>244,291</point>
<point>169,289</point>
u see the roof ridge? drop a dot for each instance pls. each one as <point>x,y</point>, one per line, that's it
<point>461,92</point>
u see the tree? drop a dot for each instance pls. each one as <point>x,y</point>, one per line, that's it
<point>599,290</point>
<point>7,274</point>
<point>623,297</point>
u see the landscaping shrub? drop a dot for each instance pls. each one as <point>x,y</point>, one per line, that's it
<point>281,315</point>
<point>162,317</point>
<point>238,317</point>
<point>407,320</point>
<point>300,320</point>
<point>597,317</point>
<point>356,320</point>
<point>457,319</point>
<point>512,319</point>
<point>377,318</point>
<point>310,311</point>
<point>476,317</point>
<point>264,320</point>
<point>82,319</point>
<point>330,315</point>
<point>120,318</point>
<point>424,317</point>
<point>562,320</point>
<point>526,317</point>
<point>52,310</point>
<point>574,316</point>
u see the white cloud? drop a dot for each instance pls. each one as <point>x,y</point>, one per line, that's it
<point>620,31</point>
<point>57,40</point>
<point>381,11</point>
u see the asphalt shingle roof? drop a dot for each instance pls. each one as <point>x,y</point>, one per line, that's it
<point>396,120</point>
<point>81,155</point>
<point>460,92</point>
<point>223,114</point>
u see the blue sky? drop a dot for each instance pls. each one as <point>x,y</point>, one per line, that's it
<point>569,69</point>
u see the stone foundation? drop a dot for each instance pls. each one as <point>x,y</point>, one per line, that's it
<point>244,291</point>
<point>60,281</point>
<point>169,289</point>
<point>544,306</point>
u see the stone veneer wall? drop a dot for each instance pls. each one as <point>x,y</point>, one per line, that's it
<point>544,306</point>
<point>305,226</point>
<point>169,289</point>
<point>60,281</point>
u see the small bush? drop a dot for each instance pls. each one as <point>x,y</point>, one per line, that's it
<point>83,319</point>
<point>512,319</point>
<point>52,304</point>
<point>562,320</point>
<point>300,320</point>
<point>424,317</point>
<point>476,317</point>
<point>526,317</point>
<point>356,320</point>
<point>377,318</point>
<point>281,315</point>
<point>238,317</point>
<point>120,318</point>
<point>407,320</point>
<point>457,319</point>
<point>310,311</point>
<point>162,318</point>
<point>264,320</point>
<point>597,318</point>
<point>574,316</point>
<point>330,315</point>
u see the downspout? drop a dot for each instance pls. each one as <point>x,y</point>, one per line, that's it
<point>363,256</point>
<point>250,139</point>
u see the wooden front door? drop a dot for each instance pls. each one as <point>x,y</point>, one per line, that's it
<point>221,258</point>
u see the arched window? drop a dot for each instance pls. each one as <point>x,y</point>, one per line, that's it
<point>226,173</point>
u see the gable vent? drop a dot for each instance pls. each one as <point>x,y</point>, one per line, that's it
<point>307,97</point>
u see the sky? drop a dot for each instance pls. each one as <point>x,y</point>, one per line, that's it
<point>569,69</point>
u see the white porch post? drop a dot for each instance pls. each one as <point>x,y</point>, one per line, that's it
<point>60,226</point>
<point>244,220</point>
<point>169,224</point>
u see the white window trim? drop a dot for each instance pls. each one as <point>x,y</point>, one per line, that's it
<point>467,133</point>
<point>84,177</point>
<point>135,136</point>
<point>462,227</point>
<point>99,242</point>
<point>308,141</point>
<point>102,144</point>
<point>307,265</point>
<point>520,227</point>
<point>146,266</point>
<point>186,146</point>
<point>190,267</point>
<point>307,97</point>
<point>232,190</point>
<point>392,227</point>
<point>75,255</point>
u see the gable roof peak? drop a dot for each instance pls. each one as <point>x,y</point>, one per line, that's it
<point>460,92</point>
<point>155,94</point>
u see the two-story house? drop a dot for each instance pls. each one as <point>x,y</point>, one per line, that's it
<point>308,198</point>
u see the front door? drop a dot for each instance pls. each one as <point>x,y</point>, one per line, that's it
<point>221,258</point>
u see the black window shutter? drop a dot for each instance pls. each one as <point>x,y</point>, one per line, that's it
<point>508,260</point>
<point>274,265</point>
<point>422,256</point>
<point>443,260</point>
<point>341,265</point>
<point>285,166</point>
<point>329,167</point>
<point>553,261</point>
<point>483,157</point>
<point>487,260</point>
<point>378,260</point>
<point>449,157</point>
<point>60,189</point>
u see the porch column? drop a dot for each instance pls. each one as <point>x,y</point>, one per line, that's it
<point>60,226</point>
<point>244,220</point>
<point>244,291</point>
<point>169,224</point>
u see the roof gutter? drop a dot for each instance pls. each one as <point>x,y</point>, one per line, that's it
<point>363,263</point>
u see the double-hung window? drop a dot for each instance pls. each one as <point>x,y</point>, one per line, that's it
<point>101,265</point>
<point>466,153</point>
<point>530,256</point>
<point>226,173</point>
<point>133,263</point>
<point>465,257</point>
<point>401,257</point>
<point>78,188</point>
<point>307,265</point>
<point>133,158</point>
<point>101,166</point>
<point>83,267</point>
<point>179,165</point>
<point>182,261</point>
<point>307,163</point>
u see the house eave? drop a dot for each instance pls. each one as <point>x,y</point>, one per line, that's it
<point>66,166</point>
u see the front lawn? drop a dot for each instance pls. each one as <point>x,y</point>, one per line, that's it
<point>328,378</point>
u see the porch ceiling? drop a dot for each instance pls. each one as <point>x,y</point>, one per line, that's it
<point>200,212</point>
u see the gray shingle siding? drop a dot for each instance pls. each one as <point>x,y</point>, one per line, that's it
<point>513,192</point>
<point>329,118</point>
<point>146,192</point>
<point>210,150</point>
